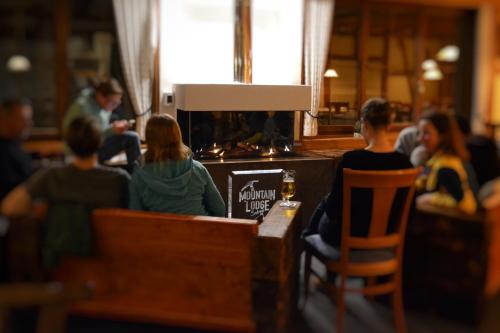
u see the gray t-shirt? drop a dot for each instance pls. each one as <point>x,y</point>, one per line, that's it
<point>407,140</point>
<point>95,188</point>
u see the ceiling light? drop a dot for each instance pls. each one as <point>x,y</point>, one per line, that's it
<point>330,72</point>
<point>429,64</point>
<point>18,63</point>
<point>433,75</point>
<point>449,53</point>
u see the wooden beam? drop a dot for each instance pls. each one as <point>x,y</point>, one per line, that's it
<point>362,53</point>
<point>62,31</point>
<point>385,59</point>
<point>342,57</point>
<point>406,64</point>
<point>420,43</point>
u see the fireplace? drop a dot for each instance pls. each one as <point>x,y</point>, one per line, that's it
<point>223,121</point>
<point>215,134</point>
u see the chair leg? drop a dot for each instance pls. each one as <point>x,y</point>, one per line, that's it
<point>52,319</point>
<point>307,275</point>
<point>398,307</point>
<point>370,282</point>
<point>4,321</point>
<point>340,304</point>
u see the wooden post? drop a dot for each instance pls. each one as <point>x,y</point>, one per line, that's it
<point>62,31</point>
<point>363,34</point>
<point>420,42</point>
<point>406,65</point>
<point>385,57</point>
<point>242,42</point>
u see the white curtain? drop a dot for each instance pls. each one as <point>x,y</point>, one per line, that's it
<point>135,36</point>
<point>318,21</point>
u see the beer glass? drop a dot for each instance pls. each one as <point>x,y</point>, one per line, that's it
<point>288,188</point>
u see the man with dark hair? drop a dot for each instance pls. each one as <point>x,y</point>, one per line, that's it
<point>15,164</point>
<point>71,192</point>
<point>98,102</point>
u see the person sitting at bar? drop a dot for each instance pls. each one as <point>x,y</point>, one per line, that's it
<point>71,192</point>
<point>168,179</point>
<point>15,163</point>
<point>378,155</point>
<point>444,181</point>
<point>407,143</point>
<point>98,103</point>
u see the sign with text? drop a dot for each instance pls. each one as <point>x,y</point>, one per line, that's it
<point>252,193</point>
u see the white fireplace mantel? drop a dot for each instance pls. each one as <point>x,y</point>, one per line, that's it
<point>241,97</point>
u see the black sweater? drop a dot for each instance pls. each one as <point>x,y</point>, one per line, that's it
<point>361,199</point>
<point>15,166</point>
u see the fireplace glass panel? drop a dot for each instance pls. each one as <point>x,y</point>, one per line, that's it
<point>216,134</point>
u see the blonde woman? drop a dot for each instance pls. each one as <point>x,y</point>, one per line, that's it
<point>168,179</point>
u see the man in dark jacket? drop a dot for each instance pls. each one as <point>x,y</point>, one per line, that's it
<point>71,193</point>
<point>15,124</point>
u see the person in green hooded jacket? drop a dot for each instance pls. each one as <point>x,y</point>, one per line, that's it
<point>168,179</point>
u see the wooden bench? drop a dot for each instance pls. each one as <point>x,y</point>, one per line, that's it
<point>193,271</point>
<point>165,268</point>
<point>452,261</point>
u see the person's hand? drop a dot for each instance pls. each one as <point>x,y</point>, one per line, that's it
<point>119,126</point>
<point>424,199</point>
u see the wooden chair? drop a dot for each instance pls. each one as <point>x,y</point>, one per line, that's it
<point>378,254</point>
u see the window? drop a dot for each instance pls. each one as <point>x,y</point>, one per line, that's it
<point>276,41</point>
<point>61,60</point>
<point>196,42</point>
<point>379,50</point>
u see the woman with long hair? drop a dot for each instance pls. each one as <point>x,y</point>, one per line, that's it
<point>168,179</point>
<point>444,181</point>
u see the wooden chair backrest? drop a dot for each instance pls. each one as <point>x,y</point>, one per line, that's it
<point>174,269</point>
<point>384,185</point>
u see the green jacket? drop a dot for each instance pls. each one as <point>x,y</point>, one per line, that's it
<point>86,105</point>
<point>182,187</point>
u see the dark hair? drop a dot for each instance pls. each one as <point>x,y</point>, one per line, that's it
<point>164,140</point>
<point>376,112</point>
<point>83,136</point>
<point>463,124</point>
<point>451,139</point>
<point>11,104</point>
<point>107,86</point>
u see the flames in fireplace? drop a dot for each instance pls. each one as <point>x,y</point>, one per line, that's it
<point>242,150</point>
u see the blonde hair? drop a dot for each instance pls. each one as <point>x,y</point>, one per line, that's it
<point>164,140</point>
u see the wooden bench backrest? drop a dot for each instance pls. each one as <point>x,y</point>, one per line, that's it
<point>175,269</point>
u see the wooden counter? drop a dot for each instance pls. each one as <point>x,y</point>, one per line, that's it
<point>276,269</point>
<point>314,176</point>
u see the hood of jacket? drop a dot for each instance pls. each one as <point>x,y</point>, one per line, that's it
<point>169,176</point>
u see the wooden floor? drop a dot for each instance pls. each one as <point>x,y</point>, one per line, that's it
<point>363,316</point>
<point>318,317</point>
